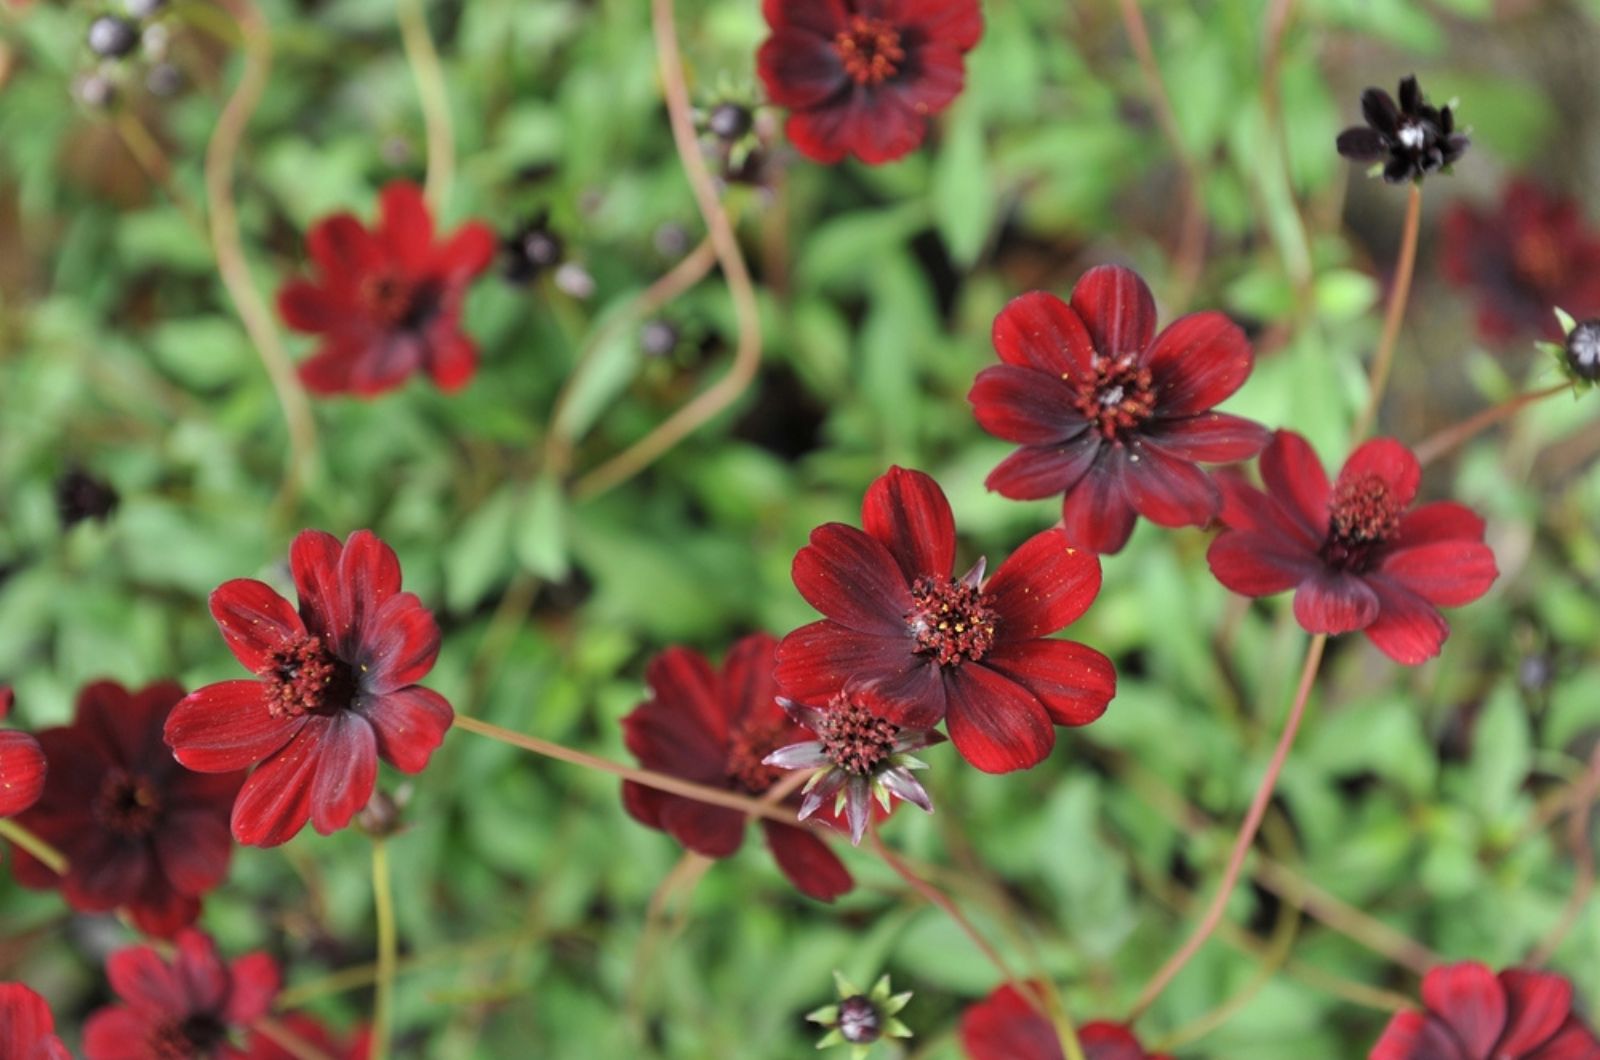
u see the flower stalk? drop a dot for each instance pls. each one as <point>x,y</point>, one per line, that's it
<point>1383,361</point>
<point>383,992</point>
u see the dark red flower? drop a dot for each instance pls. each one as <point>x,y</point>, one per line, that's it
<point>314,1034</point>
<point>27,1030</point>
<point>336,689</point>
<point>1109,414</point>
<point>1472,1014</point>
<point>1004,1026</point>
<point>1531,253</point>
<point>1411,139</point>
<point>194,1006</point>
<point>715,728</point>
<point>862,77</point>
<point>22,764</point>
<point>387,302</point>
<point>1356,553</point>
<point>975,653</point>
<point>139,831</point>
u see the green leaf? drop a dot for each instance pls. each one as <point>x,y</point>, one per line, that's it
<point>964,199</point>
<point>1501,750</point>
<point>541,531</point>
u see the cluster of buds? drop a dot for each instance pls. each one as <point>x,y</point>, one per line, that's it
<point>737,136</point>
<point>113,39</point>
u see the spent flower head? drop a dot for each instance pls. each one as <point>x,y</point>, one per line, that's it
<point>859,1017</point>
<point>1405,141</point>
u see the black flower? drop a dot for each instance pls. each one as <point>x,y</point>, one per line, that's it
<point>1411,139</point>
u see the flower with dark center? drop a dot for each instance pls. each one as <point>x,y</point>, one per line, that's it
<point>111,37</point>
<point>22,764</point>
<point>1470,1013</point>
<point>387,302</point>
<point>308,1030</point>
<point>27,1029</point>
<point>1006,1026</point>
<point>716,728</point>
<point>1410,140</point>
<point>1583,350</point>
<point>1356,552</point>
<point>139,831</point>
<point>862,77</point>
<point>1110,415</point>
<point>858,756</point>
<point>534,248</point>
<point>335,689</point>
<point>193,1007</point>
<point>861,1017</point>
<point>1531,252</point>
<point>81,496</point>
<point>976,654</point>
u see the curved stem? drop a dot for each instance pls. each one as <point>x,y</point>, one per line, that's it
<point>424,60</point>
<point>383,991</point>
<point>1578,836</point>
<point>253,312</point>
<point>1246,835</point>
<point>1383,362</point>
<point>1448,439</point>
<point>747,355</point>
<point>42,852</point>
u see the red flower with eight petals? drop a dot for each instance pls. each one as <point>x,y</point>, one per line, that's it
<point>336,689</point>
<point>1356,553</point>
<point>27,1030</point>
<point>1004,1026</point>
<point>22,764</point>
<point>138,830</point>
<point>1472,1014</point>
<point>974,653</point>
<point>862,77</point>
<point>387,302</point>
<point>715,729</point>
<point>1109,414</point>
<point>193,1006</point>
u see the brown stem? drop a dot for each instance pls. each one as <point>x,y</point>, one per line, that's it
<point>1383,362</point>
<point>1457,434</point>
<point>1578,837</point>
<point>43,852</point>
<point>279,1033</point>
<point>435,98</point>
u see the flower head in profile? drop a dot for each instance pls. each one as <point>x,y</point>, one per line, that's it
<point>1356,552</point>
<point>22,764</point>
<point>386,302</point>
<point>1470,1013</point>
<point>335,689</point>
<point>27,1029</point>
<point>1007,1026</point>
<point>861,1017</point>
<point>1110,415</point>
<point>858,756</point>
<point>1410,140</point>
<point>139,831</point>
<point>716,727</point>
<point>862,77</point>
<point>194,1005</point>
<point>973,652</point>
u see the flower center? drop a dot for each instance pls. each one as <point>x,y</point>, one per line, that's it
<point>1363,515</point>
<point>1412,135</point>
<point>870,49</point>
<point>747,746</point>
<point>1117,398</point>
<point>306,679</point>
<point>950,620</point>
<point>127,804</point>
<point>855,739</point>
<point>196,1036</point>
<point>399,302</point>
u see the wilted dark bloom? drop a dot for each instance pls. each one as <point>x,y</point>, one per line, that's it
<point>81,496</point>
<point>22,764</point>
<point>532,249</point>
<point>111,37</point>
<point>1004,1026</point>
<point>1583,350</point>
<point>1472,1014</point>
<point>861,1017</point>
<point>1411,140</point>
<point>314,1034</point>
<point>27,1029</point>
<point>194,1006</point>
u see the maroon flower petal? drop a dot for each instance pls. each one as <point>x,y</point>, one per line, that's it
<point>1256,564</point>
<point>1297,480</point>
<point>1362,144</point>
<point>1440,521</point>
<point>799,69</point>
<point>327,372</point>
<point>194,848</point>
<point>468,251</point>
<point>824,18</point>
<point>710,831</point>
<point>127,727</point>
<point>22,772</point>
<point>27,1029</point>
<point>816,660</point>
<point>1573,1042</point>
<point>995,723</point>
<point>1168,491</point>
<point>1538,1004</point>
<point>405,228</point>
<point>688,689</point>
<point>226,726</point>
<point>341,247</point>
<point>309,308</point>
<point>141,978</point>
<point>452,361</point>
<point>853,579</point>
<point>347,771</point>
<point>956,23</point>
<point>105,871</point>
<point>1038,330</point>
<point>1109,1041</point>
<point>1198,362</point>
<point>324,603</point>
<point>1073,681</point>
<point>814,869</point>
<point>255,982</point>
<point>1117,309</point>
<point>941,72</point>
<point>1415,1036</point>
<point>400,645</point>
<point>115,1033</point>
<point>749,690</point>
<point>1097,513</point>
<point>1408,629</point>
<point>819,133</point>
<point>1470,1001</point>
<point>907,512</point>
<point>1391,462</point>
<point>1033,473</point>
<point>643,804</point>
<point>255,621</point>
<point>369,575</point>
<point>1213,437</point>
<point>1003,1026</point>
<point>409,724</point>
<point>1331,601</point>
<point>1025,405</point>
<point>882,126</point>
<point>159,911</point>
<point>275,801</point>
<point>1043,586</point>
<point>1446,574</point>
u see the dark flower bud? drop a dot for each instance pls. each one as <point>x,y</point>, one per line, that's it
<point>532,249</point>
<point>658,338</point>
<point>1411,139</point>
<point>94,90</point>
<point>1583,350</point>
<point>729,121</point>
<point>384,814</point>
<point>861,1017</point>
<point>111,37</point>
<point>81,496</point>
<point>858,1020</point>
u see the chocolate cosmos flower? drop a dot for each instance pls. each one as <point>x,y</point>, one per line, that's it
<point>1472,1014</point>
<point>1004,1026</point>
<point>1109,414</point>
<point>1411,140</point>
<point>932,646</point>
<point>22,764</point>
<point>27,1030</point>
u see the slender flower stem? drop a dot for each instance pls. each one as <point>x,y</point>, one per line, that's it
<point>1583,851</point>
<point>747,354</point>
<point>280,1035</point>
<point>383,992</point>
<point>43,852</point>
<point>153,160</point>
<point>1383,362</point>
<point>1448,439</point>
<point>221,152</point>
<point>1245,837</point>
<point>435,99</point>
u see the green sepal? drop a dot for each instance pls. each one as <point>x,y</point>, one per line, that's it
<point>827,1014</point>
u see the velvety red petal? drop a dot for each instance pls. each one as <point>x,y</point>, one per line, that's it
<point>1039,330</point>
<point>1213,437</point>
<point>956,23</point>
<point>226,726</point>
<point>805,858</point>
<point>409,724</point>
<point>1391,462</point>
<point>368,577</point>
<point>198,966</point>
<point>1332,601</point>
<point>822,17</point>
<point>386,362</point>
<point>255,621</point>
<point>347,770</point>
<point>327,372</point>
<point>341,247</point>
<point>1045,585</point>
<point>1117,309</point>
<point>309,308</point>
<point>1297,480</point>
<point>907,512</point>
<point>1258,564</point>
<point>816,660</point>
<point>818,132</point>
<point>1439,521</point>
<point>1446,574</point>
<point>1097,513</point>
<point>275,801</point>
<point>1414,1036</point>
<point>115,1033</point>
<point>452,361</point>
<point>1025,405</point>
<point>995,723</point>
<point>688,689</point>
<point>22,772</point>
<point>799,69</point>
<point>853,579</point>
<point>1469,1000</point>
<point>1073,681</point>
<point>1004,1026</point>
<point>711,831</point>
<point>1109,1041</point>
<point>749,690</point>
<point>1408,628</point>
<point>24,1019</point>
<point>127,725</point>
<point>256,981</point>
<point>939,77</point>
<point>1572,1042</point>
<point>880,126</point>
<point>106,870</point>
<point>469,250</point>
<point>1198,362</point>
<point>1166,490</point>
<point>406,228</point>
<point>324,602</point>
<point>194,848</point>
<point>1537,1005</point>
<point>141,978</point>
<point>399,646</point>
<point>1034,473</point>
<point>160,912</point>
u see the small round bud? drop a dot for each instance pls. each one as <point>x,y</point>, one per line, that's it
<point>81,496</point>
<point>532,249</point>
<point>859,1023</point>
<point>1583,350</point>
<point>111,37</point>
<point>729,121</point>
<point>384,814</point>
<point>658,338</point>
<point>94,90</point>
